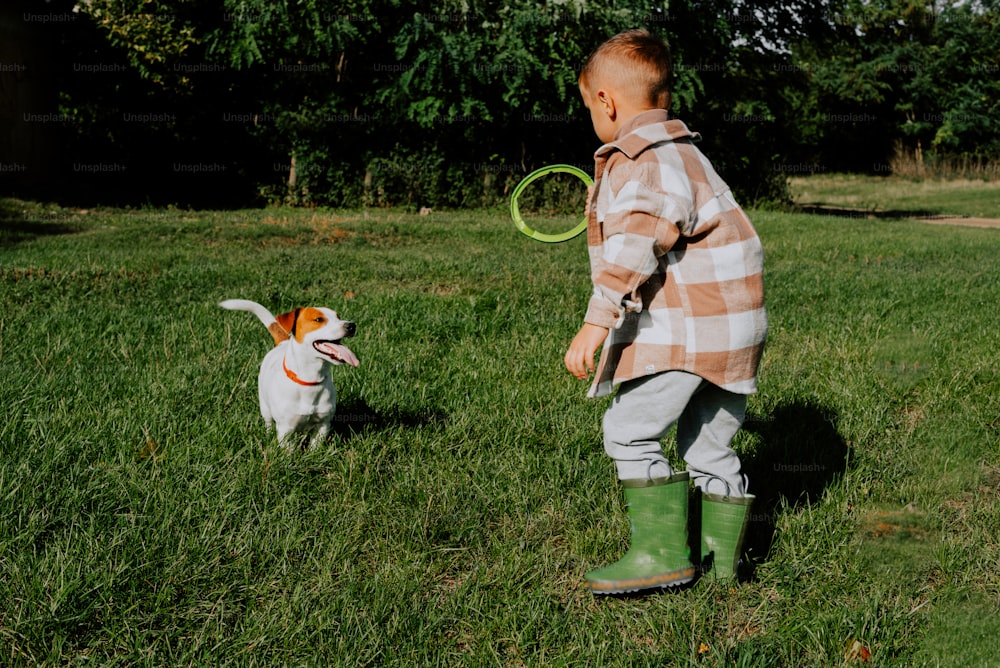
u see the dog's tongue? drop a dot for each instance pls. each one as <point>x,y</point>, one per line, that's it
<point>337,351</point>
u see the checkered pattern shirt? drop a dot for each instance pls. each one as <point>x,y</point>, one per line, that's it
<point>675,262</point>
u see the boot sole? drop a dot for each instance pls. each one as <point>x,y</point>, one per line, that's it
<point>664,581</point>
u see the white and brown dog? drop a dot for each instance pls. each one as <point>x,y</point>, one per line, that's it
<point>296,390</point>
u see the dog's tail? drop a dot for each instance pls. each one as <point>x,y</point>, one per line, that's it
<point>278,332</point>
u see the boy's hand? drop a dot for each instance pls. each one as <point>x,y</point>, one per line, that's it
<point>590,194</point>
<point>579,358</point>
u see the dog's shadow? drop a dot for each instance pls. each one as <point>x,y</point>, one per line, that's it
<point>356,416</point>
<point>799,454</point>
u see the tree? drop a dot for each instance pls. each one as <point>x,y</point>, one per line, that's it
<point>386,102</point>
<point>906,75</point>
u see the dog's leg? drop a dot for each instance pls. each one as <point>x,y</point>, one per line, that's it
<point>272,425</point>
<point>287,434</point>
<point>321,433</point>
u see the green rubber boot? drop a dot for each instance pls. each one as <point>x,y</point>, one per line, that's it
<point>723,525</point>
<point>658,556</point>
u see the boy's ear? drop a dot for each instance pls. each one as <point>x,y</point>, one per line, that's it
<point>607,103</point>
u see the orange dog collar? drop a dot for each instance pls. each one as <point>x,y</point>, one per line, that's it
<point>296,379</point>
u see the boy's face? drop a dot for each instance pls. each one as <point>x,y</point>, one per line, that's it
<point>601,111</point>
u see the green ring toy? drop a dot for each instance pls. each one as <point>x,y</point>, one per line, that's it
<point>515,212</point>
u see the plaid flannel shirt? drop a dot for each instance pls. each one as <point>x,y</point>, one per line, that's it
<point>676,264</point>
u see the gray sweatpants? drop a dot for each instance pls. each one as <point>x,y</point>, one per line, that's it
<point>707,418</point>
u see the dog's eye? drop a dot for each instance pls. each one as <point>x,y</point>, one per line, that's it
<point>319,319</point>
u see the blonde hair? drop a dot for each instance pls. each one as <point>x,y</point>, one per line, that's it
<point>638,63</point>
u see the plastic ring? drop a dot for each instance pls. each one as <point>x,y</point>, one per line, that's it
<point>515,212</point>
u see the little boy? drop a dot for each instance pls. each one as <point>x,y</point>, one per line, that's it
<point>678,305</point>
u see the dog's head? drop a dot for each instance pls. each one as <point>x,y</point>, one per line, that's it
<point>322,330</point>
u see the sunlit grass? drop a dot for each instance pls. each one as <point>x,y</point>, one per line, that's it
<point>148,518</point>
<point>903,196</point>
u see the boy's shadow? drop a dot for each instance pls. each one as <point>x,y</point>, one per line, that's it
<point>798,455</point>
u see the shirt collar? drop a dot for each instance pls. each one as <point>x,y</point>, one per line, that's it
<point>646,129</point>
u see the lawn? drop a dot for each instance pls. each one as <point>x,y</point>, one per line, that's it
<point>899,196</point>
<point>149,519</point>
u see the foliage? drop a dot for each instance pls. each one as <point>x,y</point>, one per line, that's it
<point>153,33</point>
<point>914,73</point>
<point>387,102</point>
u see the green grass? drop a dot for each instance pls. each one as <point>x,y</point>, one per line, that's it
<point>900,196</point>
<point>148,518</point>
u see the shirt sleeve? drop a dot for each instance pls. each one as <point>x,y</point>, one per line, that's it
<point>640,225</point>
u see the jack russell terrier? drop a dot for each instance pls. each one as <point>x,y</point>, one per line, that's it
<point>296,391</point>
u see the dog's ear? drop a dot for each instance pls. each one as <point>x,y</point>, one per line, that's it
<point>287,322</point>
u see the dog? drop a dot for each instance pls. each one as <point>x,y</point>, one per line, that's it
<point>296,391</point>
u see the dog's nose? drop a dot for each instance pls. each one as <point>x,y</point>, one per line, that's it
<point>348,329</point>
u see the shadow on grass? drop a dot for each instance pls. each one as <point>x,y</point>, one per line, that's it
<point>800,453</point>
<point>866,214</point>
<point>356,416</point>
<point>16,226</point>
